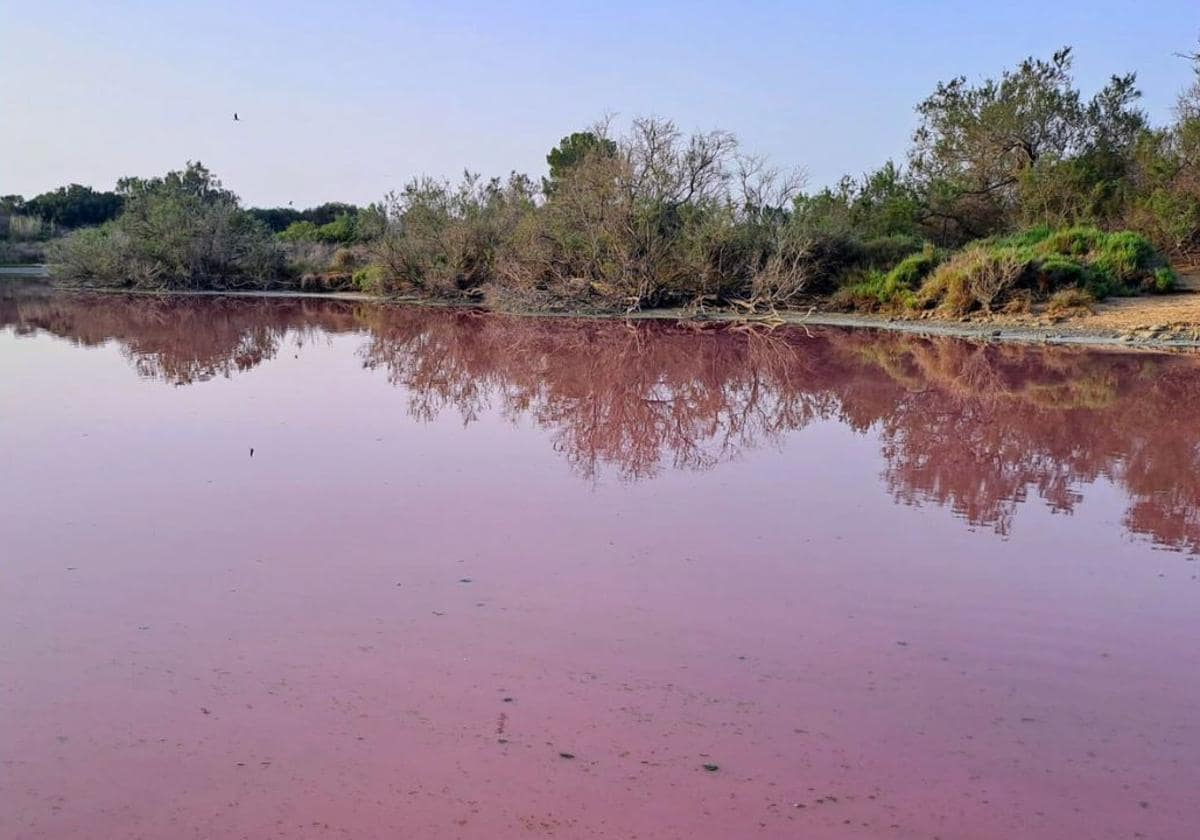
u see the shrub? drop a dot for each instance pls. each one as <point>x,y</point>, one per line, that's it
<point>1027,238</point>
<point>1041,262</point>
<point>303,231</point>
<point>1057,271</point>
<point>1070,301</point>
<point>21,228</point>
<point>75,206</point>
<point>1165,279</point>
<point>893,289</point>
<point>1124,256</point>
<point>991,276</point>
<point>370,279</point>
<point>305,257</point>
<point>343,229</point>
<point>183,230</point>
<point>344,259</point>
<point>883,252</point>
<point>872,291</point>
<point>914,268</point>
<point>1076,241</point>
<point>22,253</point>
<point>100,256</point>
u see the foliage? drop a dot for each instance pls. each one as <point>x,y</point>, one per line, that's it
<point>442,238</point>
<point>346,228</point>
<point>892,289</point>
<point>1069,301</point>
<point>1028,141</point>
<point>22,253</point>
<point>1038,263</point>
<point>573,150</point>
<point>183,230</point>
<point>278,219</point>
<point>75,206</point>
<point>301,231</point>
<point>650,219</point>
<point>881,204</point>
<point>21,228</point>
<point>1039,187</point>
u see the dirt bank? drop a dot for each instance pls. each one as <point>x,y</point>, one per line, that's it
<point>1171,320</point>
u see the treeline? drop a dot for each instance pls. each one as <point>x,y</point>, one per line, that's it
<point>1015,190</point>
<point>66,207</point>
<point>27,225</point>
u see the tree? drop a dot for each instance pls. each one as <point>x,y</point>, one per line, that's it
<point>75,206</point>
<point>881,203</point>
<point>573,149</point>
<point>276,218</point>
<point>977,143</point>
<point>328,212</point>
<point>181,230</point>
<point>1166,175</point>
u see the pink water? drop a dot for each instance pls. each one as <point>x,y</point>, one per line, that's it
<point>890,587</point>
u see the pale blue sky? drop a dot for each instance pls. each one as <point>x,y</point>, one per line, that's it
<point>345,100</point>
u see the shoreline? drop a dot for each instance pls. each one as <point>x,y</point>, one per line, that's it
<point>1073,331</point>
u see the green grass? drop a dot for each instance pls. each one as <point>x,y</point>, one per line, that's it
<point>892,289</point>
<point>1039,262</point>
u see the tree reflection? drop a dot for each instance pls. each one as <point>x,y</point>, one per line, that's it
<point>977,428</point>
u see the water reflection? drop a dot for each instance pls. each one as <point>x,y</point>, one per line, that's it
<point>977,428</point>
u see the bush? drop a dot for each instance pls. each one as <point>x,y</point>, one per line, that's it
<point>977,277</point>
<point>445,240</point>
<point>893,289</point>
<point>21,228</point>
<point>100,254</point>
<point>914,268</point>
<point>654,219</point>
<point>1070,302</point>
<point>1058,272</point>
<point>1041,262</point>
<point>1165,279</point>
<point>22,253</point>
<point>343,230</point>
<point>870,292</point>
<point>883,252</point>
<point>370,279</point>
<point>75,206</point>
<point>303,231</point>
<point>183,230</point>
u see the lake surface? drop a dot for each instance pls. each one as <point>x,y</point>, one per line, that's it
<point>303,568</point>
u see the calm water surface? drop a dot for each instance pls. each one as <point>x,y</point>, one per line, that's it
<point>489,577</point>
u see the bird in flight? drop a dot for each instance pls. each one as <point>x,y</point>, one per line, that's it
<point>235,117</point>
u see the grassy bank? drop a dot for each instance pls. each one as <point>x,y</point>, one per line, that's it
<point>1066,269</point>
